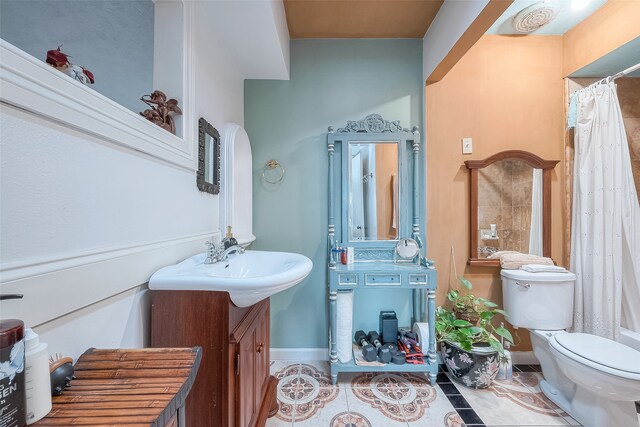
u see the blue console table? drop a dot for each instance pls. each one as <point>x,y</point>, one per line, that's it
<point>422,281</point>
<point>365,150</point>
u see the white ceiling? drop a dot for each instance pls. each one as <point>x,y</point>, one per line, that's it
<point>252,33</point>
<point>618,60</point>
<point>566,19</point>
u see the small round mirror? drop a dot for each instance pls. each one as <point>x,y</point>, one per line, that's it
<point>407,248</point>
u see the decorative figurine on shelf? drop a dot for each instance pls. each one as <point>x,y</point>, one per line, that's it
<point>60,61</point>
<point>160,110</point>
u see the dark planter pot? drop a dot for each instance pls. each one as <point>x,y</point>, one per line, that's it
<point>476,369</point>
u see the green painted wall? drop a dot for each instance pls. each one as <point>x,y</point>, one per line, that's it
<point>332,81</point>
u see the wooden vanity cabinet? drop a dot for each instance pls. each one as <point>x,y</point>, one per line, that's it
<point>233,387</point>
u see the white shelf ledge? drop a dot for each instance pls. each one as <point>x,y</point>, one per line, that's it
<point>34,86</point>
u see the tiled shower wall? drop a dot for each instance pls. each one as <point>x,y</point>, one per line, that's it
<point>504,199</point>
<point>629,96</point>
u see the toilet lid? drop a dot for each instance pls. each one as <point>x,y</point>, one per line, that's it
<point>547,276</point>
<point>601,350</point>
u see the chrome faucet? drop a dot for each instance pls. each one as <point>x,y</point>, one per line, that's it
<point>219,253</point>
<point>213,252</point>
<point>230,250</point>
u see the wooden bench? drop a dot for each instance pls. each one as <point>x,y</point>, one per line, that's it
<point>141,387</point>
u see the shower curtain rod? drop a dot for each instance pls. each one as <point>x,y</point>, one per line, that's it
<point>625,72</point>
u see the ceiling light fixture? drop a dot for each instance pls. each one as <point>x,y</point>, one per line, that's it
<point>534,17</point>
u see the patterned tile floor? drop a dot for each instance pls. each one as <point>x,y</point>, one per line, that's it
<point>307,398</point>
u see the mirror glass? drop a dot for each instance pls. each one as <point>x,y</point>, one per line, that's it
<point>209,158</point>
<point>373,190</point>
<point>509,208</point>
<point>208,176</point>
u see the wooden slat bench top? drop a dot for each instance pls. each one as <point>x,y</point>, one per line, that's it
<point>137,387</point>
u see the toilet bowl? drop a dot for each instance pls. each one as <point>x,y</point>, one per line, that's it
<point>594,379</point>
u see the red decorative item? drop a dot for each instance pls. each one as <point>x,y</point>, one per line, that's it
<point>60,61</point>
<point>57,58</point>
<point>89,75</point>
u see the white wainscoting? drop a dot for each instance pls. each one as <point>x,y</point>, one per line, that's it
<point>87,279</point>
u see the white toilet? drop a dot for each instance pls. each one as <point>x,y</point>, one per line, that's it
<point>594,379</point>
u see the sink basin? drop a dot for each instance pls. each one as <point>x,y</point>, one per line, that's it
<point>248,278</point>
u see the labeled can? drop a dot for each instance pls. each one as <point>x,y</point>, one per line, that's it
<point>12,386</point>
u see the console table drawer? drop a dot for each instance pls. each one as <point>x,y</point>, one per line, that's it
<point>418,279</point>
<point>347,279</point>
<point>382,279</point>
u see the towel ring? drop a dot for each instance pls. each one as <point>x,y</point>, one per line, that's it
<point>270,165</point>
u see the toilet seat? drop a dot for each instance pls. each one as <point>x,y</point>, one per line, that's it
<point>599,353</point>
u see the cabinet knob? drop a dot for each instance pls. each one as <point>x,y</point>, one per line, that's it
<point>260,347</point>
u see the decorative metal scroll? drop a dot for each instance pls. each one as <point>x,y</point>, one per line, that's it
<point>373,123</point>
<point>373,254</point>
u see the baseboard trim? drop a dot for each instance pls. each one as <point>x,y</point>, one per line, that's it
<point>524,358</point>
<point>309,354</point>
<point>299,354</point>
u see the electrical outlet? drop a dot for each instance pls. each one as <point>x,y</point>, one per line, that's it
<point>467,146</point>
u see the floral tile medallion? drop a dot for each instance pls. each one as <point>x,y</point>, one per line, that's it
<point>515,402</point>
<point>302,391</point>
<point>349,419</point>
<point>399,397</point>
<point>452,419</point>
<point>523,390</point>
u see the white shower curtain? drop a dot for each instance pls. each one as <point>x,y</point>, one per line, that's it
<point>535,229</point>
<point>605,231</point>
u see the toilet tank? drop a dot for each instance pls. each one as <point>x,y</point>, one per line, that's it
<point>538,300</point>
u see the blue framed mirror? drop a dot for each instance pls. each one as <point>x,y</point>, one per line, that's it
<point>375,187</point>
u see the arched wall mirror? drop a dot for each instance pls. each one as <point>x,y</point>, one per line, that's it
<point>510,205</point>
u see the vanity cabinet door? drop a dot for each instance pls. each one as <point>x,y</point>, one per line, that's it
<point>246,400</point>
<point>253,368</point>
<point>262,356</point>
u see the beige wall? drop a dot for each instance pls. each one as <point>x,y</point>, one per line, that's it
<point>505,93</point>
<point>611,26</point>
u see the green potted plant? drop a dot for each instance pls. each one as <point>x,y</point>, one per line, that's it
<point>471,348</point>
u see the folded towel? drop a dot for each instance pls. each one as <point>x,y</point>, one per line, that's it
<point>497,255</point>
<point>542,268</point>
<point>513,261</point>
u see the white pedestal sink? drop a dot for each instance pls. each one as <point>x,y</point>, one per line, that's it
<point>248,278</point>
